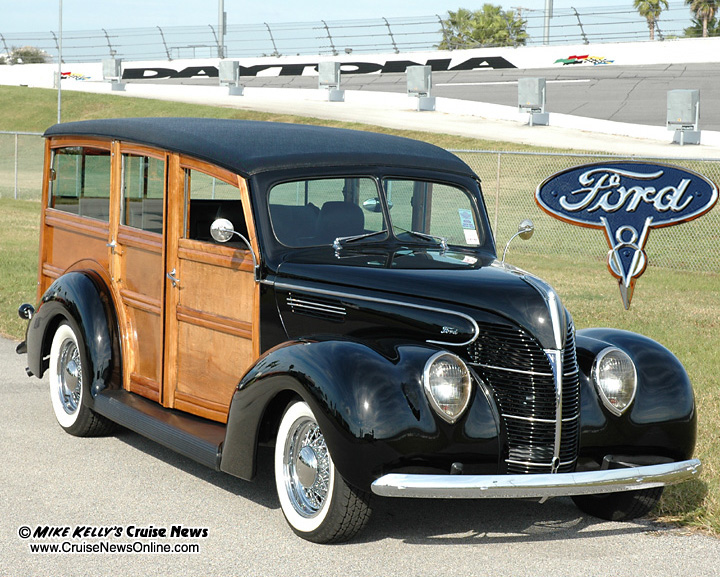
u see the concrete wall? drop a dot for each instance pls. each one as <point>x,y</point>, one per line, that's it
<point>682,51</point>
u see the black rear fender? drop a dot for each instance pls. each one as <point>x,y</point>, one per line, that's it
<point>83,300</point>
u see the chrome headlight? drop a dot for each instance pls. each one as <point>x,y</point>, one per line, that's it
<point>615,379</point>
<point>447,385</point>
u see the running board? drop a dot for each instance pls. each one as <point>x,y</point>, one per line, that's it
<point>199,439</point>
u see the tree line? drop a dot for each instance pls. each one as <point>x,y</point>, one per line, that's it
<point>493,26</point>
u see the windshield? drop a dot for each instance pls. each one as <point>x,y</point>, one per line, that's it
<point>354,211</point>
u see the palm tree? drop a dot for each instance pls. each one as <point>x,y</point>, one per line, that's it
<point>650,10</point>
<point>704,11</point>
<point>489,26</point>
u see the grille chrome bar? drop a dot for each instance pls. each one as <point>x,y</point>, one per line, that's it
<point>529,419</point>
<point>532,464</point>
<point>556,362</point>
<point>509,370</point>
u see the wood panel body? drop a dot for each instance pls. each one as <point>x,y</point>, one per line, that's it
<point>186,345</point>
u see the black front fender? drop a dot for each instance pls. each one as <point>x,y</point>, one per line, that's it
<point>662,420</point>
<point>82,300</point>
<point>371,408</point>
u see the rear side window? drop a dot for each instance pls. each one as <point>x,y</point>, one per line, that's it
<point>209,198</point>
<point>143,186</point>
<point>81,182</point>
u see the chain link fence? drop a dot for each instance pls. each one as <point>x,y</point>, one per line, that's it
<point>21,162</point>
<point>509,183</point>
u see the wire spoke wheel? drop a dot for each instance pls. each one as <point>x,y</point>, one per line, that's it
<point>317,503</point>
<point>69,376</point>
<point>308,471</point>
<point>68,389</point>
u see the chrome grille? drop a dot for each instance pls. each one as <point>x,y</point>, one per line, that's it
<point>515,366</point>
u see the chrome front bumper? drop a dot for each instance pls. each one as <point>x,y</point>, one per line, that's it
<point>522,486</point>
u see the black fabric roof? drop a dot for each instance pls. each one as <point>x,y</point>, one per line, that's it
<point>250,147</point>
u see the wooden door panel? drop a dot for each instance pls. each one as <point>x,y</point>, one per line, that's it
<point>209,367</point>
<point>138,264</point>
<point>139,280</point>
<point>213,324</point>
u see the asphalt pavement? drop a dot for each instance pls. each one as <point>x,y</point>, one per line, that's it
<point>127,484</point>
<point>629,94</point>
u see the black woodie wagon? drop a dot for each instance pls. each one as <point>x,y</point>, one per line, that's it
<point>216,285</point>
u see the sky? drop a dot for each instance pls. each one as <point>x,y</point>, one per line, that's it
<point>42,15</point>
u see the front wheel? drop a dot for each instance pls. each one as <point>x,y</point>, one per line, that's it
<point>68,391</point>
<point>317,503</point>
<point>619,506</point>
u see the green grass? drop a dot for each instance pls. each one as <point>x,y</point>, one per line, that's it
<point>19,231</point>
<point>681,310</point>
<point>41,113</point>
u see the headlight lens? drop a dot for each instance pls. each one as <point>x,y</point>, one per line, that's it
<point>615,379</point>
<point>447,385</point>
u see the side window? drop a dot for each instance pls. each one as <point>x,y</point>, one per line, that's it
<point>209,198</point>
<point>143,192</point>
<point>81,183</point>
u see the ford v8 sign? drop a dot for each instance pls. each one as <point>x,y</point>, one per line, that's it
<point>626,200</point>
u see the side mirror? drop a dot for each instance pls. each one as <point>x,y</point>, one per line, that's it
<point>525,232</point>
<point>374,205</point>
<point>222,230</point>
<point>526,229</point>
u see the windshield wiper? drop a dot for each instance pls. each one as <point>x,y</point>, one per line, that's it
<point>339,241</point>
<point>441,240</point>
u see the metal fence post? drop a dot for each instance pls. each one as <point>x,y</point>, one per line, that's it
<point>332,44</point>
<point>16,166</point>
<point>392,38</point>
<point>497,196</point>
<point>167,50</point>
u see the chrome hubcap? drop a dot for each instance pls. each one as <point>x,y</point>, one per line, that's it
<point>307,468</point>
<point>307,465</point>
<point>69,372</point>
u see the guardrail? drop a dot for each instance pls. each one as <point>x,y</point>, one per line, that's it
<point>509,182</point>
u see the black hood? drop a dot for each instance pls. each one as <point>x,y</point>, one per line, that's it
<point>446,278</point>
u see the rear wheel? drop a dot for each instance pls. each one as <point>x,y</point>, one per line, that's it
<point>68,391</point>
<point>317,503</point>
<point>619,506</point>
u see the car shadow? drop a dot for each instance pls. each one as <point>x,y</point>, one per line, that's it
<point>496,521</point>
<point>423,521</point>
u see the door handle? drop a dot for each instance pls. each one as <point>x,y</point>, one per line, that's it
<point>112,245</point>
<point>173,279</point>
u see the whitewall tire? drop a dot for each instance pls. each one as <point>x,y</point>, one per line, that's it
<point>317,503</point>
<point>68,389</point>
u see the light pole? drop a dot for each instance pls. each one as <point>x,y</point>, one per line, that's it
<point>221,29</point>
<point>548,15</point>
<point>59,70</point>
